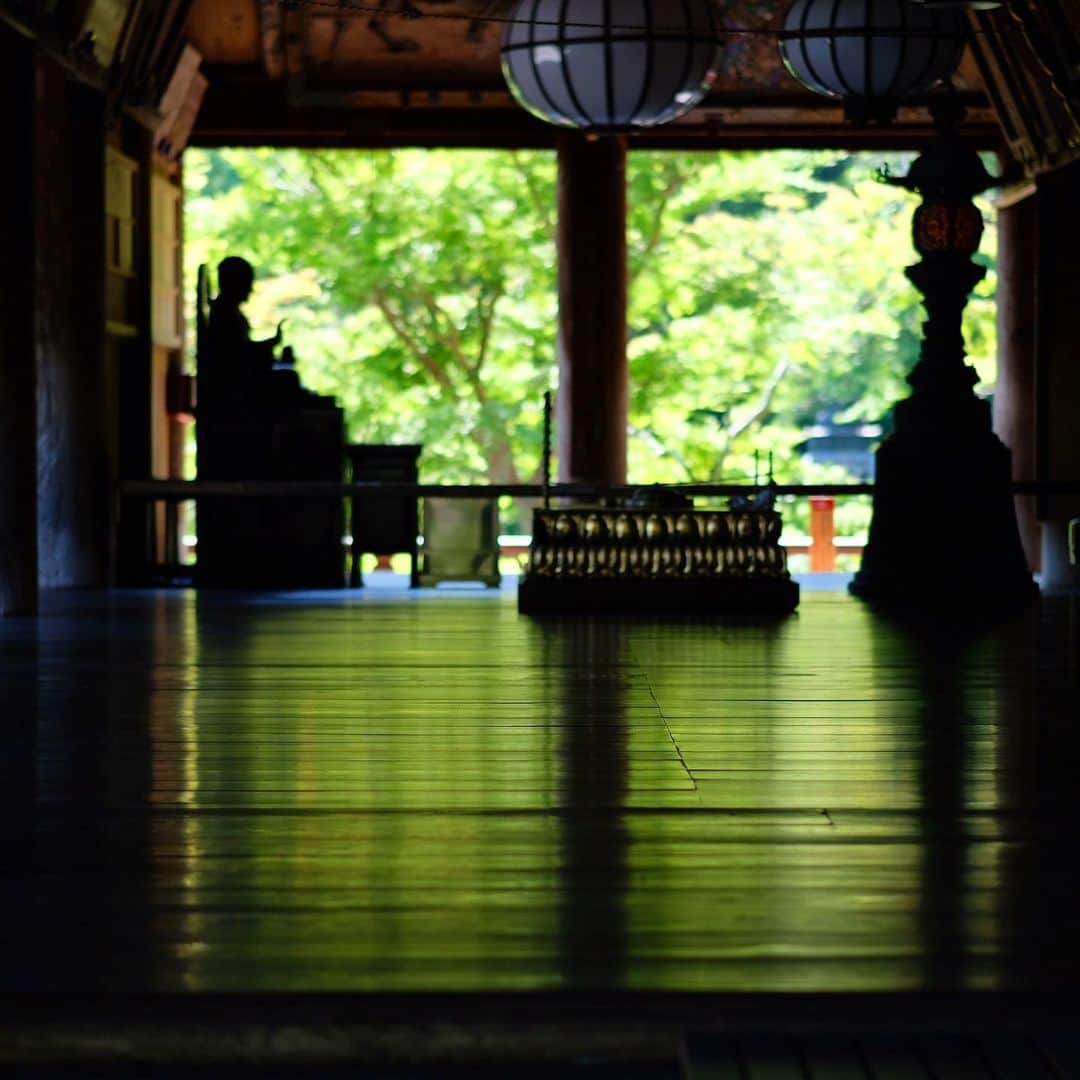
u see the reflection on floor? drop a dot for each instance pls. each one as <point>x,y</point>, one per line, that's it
<point>428,793</point>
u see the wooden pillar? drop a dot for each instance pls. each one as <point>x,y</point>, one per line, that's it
<point>592,402</point>
<point>129,343</point>
<point>18,427</point>
<point>72,481</point>
<point>1014,396</point>
<point>1057,345</point>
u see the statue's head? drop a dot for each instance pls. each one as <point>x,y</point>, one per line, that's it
<point>235,278</point>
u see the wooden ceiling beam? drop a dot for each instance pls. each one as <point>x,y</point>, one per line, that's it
<point>227,120</point>
<point>250,84</point>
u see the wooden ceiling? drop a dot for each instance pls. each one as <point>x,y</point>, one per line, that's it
<point>426,72</point>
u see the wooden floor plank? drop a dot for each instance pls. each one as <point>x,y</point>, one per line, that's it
<point>711,1057</point>
<point>1011,1057</point>
<point>952,1057</point>
<point>770,1057</point>
<point>431,793</point>
<point>1061,1050</point>
<point>890,1057</point>
<point>828,1057</point>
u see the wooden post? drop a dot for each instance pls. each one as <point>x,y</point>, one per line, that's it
<point>822,534</point>
<point>592,403</point>
<point>132,354</point>
<point>18,411</point>
<point>1014,395</point>
<point>1057,344</point>
<point>73,490</point>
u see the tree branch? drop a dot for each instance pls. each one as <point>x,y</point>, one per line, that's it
<point>495,446</point>
<point>671,188</point>
<point>654,440</point>
<point>487,320</point>
<point>450,337</point>
<point>764,404</point>
<point>542,207</point>
<point>421,355</point>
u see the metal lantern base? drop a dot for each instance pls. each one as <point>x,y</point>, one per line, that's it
<point>944,532</point>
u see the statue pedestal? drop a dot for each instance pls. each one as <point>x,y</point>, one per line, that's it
<point>271,543</point>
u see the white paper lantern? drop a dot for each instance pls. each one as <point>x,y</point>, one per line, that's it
<point>871,53</point>
<point>609,65</point>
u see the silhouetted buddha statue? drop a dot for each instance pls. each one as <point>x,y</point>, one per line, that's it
<point>258,423</point>
<point>233,368</point>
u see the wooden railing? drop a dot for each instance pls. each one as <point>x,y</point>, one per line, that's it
<point>186,490</point>
<point>822,546</point>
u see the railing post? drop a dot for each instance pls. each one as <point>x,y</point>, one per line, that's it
<point>822,534</point>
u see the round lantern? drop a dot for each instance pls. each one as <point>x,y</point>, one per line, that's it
<point>609,65</point>
<point>871,53</point>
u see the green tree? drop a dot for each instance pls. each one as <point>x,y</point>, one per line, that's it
<point>767,289</point>
<point>420,288</point>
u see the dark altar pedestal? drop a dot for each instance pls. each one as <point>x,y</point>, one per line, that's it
<point>274,542</point>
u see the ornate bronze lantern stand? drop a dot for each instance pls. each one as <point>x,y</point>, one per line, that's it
<point>944,528</point>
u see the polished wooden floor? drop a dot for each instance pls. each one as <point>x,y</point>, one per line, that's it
<point>425,792</point>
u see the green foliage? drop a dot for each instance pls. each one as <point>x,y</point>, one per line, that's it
<point>768,289</point>
<point>419,287</point>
